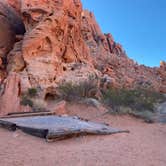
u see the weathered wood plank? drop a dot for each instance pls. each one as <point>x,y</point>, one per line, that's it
<point>55,128</point>
<point>65,134</point>
<point>27,115</point>
<point>8,125</point>
<point>22,113</point>
<point>42,133</point>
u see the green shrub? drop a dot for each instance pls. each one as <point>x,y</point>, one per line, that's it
<point>139,103</point>
<point>72,92</point>
<point>32,92</point>
<point>26,101</point>
<point>138,99</point>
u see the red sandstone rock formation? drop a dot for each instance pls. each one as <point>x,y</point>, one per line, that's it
<point>10,95</point>
<point>10,26</point>
<point>162,74</point>
<point>63,42</point>
<point>10,101</point>
<point>16,4</point>
<point>53,39</point>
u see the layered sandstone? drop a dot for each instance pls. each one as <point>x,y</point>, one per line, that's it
<point>53,39</point>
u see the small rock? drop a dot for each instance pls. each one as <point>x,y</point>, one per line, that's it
<point>60,108</point>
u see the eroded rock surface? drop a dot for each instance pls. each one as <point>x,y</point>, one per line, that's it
<point>10,25</point>
<point>10,101</point>
<point>53,39</point>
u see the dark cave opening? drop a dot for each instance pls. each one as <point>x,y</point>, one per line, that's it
<point>12,30</point>
<point>13,18</point>
<point>49,97</point>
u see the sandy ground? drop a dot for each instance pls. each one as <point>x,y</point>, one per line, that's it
<point>144,146</point>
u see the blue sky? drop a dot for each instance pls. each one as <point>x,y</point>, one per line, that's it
<point>139,25</point>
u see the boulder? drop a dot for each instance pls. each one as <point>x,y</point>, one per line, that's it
<point>10,101</point>
<point>60,108</point>
<point>15,60</point>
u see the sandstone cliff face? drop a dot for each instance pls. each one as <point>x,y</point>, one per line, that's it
<point>53,39</point>
<point>63,42</point>
<point>10,25</point>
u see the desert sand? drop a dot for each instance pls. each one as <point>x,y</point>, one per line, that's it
<point>143,146</point>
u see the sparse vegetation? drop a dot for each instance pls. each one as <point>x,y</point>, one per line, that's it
<point>29,98</point>
<point>139,103</point>
<point>39,104</point>
<point>74,92</point>
<point>32,92</point>
<point>26,101</point>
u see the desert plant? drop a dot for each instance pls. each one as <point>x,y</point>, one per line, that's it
<point>28,97</point>
<point>72,92</point>
<point>26,101</point>
<point>139,99</point>
<point>39,105</point>
<point>139,103</point>
<point>32,92</point>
